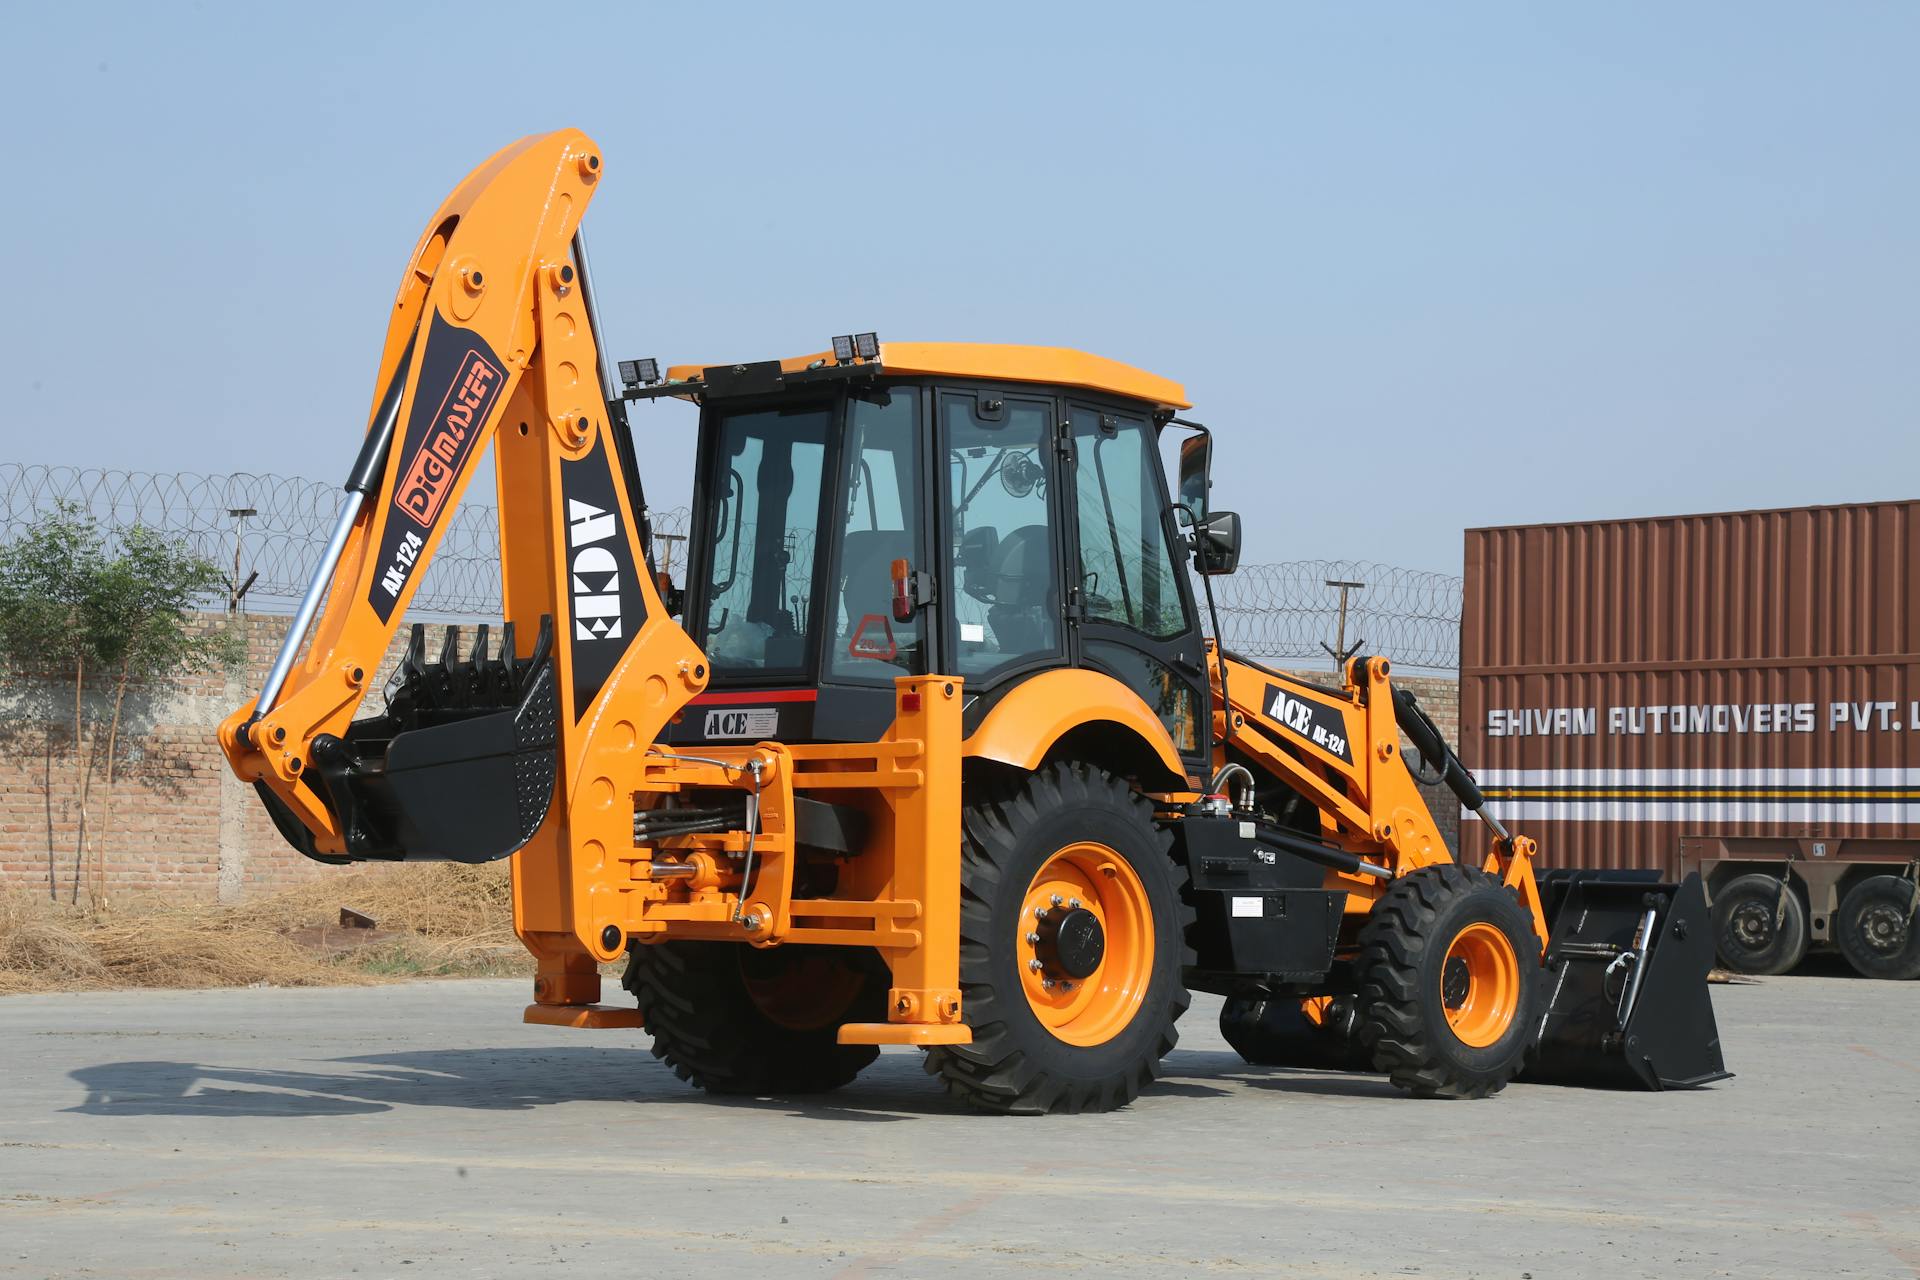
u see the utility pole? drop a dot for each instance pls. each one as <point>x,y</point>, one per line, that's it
<point>1338,650</point>
<point>666,552</point>
<point>236,589</point>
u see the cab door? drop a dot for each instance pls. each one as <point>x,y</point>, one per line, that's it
<point>1003,530</point>
<point>1129,605</point>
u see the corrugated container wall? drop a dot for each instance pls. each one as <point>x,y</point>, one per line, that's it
<point>1757,673</point>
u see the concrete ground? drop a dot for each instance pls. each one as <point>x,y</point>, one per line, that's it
<point>423,1130</point>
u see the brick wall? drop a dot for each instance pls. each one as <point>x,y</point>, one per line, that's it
<point>181,825</point>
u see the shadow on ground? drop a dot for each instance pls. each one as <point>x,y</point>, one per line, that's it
<point>893,1089</point>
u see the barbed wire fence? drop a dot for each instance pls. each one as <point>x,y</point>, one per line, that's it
<point>1292,611</point>
<point>267,531</point>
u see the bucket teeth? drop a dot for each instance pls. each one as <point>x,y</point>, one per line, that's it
<point>489,678</point>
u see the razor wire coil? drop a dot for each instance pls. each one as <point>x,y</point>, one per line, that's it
<point>1283,611</point>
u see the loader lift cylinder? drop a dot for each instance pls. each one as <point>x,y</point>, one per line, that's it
<point>1432,746</point>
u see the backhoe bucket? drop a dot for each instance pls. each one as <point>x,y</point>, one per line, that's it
<point>1627,975</point>
<point>460,768</point>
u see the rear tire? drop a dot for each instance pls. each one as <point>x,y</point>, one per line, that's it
<point>1449,983</point>
<point>1750,934</point>
<point>1876,929</point>
<point>737,1019</point>
<point>1039,1044</point>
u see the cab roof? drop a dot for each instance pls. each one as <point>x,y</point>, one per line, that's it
<point>1000,362</point>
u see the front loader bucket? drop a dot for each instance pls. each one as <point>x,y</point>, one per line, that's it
<point>1627,976</point>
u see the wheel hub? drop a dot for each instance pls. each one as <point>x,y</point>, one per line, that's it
<point>1071,941</point>
<point>1086,943</point>
<point>1885,929</point>
<point>1455,982</point>
<point>1753,926</point>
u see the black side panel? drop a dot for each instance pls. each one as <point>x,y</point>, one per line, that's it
<point>607,608</point>
<point>460,381</point>
<point>1260,911</point>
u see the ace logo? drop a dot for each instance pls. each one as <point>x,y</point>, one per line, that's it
<point>753,722</point>
<point>595,572</point>
<point>1322,726</point>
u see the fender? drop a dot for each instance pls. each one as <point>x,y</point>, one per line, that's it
<point>1036,713</point>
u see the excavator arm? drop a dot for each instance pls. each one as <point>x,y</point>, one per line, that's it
<point>492,339</point>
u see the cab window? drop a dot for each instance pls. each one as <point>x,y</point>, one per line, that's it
<point>1006,610</point>
<point>880,522</point>
<point>1126,564</point>
<point>761,531</point>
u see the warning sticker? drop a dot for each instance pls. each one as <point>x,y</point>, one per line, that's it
<point>873,638</point>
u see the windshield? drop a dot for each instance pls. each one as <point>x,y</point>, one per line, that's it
<point>762,528</point>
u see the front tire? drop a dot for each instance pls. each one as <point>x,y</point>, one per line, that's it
<point>1072,1006</point>
<point>1755,930</point>
<point>1449,978</point>
<point>1876,929</point>
<point>737,1019</point>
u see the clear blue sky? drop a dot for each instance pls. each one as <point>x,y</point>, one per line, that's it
<point>1421,266</point>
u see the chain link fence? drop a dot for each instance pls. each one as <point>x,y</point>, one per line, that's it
<point>268,530</point>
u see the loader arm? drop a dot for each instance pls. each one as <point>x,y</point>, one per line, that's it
<point>491,340</point>
<point>1339,751</point>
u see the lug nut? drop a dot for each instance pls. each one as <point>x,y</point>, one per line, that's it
<point>1047,983</point>
<point>1034,965</point>
<point>1033,939</point>
<point>1074,903</point>
<point>1057,900</point>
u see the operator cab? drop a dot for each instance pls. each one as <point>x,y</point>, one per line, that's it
<point>976,510</point>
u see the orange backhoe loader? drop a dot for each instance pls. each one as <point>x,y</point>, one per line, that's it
<point>938,753</point>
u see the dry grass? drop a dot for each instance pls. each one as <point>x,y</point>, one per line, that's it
<point>435,920</point>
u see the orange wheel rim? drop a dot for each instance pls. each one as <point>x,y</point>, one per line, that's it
<point>1094,1008</point>
<point>1480,985</point>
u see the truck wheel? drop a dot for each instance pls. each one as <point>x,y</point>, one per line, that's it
<point>1876,928</point>
<point>1072,945</point>
<point>737,1019</point>
<point>1449,983</point>
<point>1277,1032</point>
<point>1749,930</point>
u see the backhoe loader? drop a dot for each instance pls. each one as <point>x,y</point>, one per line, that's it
<point>930,748</point>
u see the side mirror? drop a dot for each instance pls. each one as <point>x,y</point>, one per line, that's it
<point>1216,545</point>
<point>1196,466</point>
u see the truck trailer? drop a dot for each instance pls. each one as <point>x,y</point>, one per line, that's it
<point>1736,694</point>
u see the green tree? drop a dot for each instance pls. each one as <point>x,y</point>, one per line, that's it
<point>106,614</point>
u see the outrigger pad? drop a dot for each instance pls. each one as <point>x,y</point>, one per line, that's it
<point>1668,1038</point>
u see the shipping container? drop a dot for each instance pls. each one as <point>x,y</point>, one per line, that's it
<point>1736,693</point>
